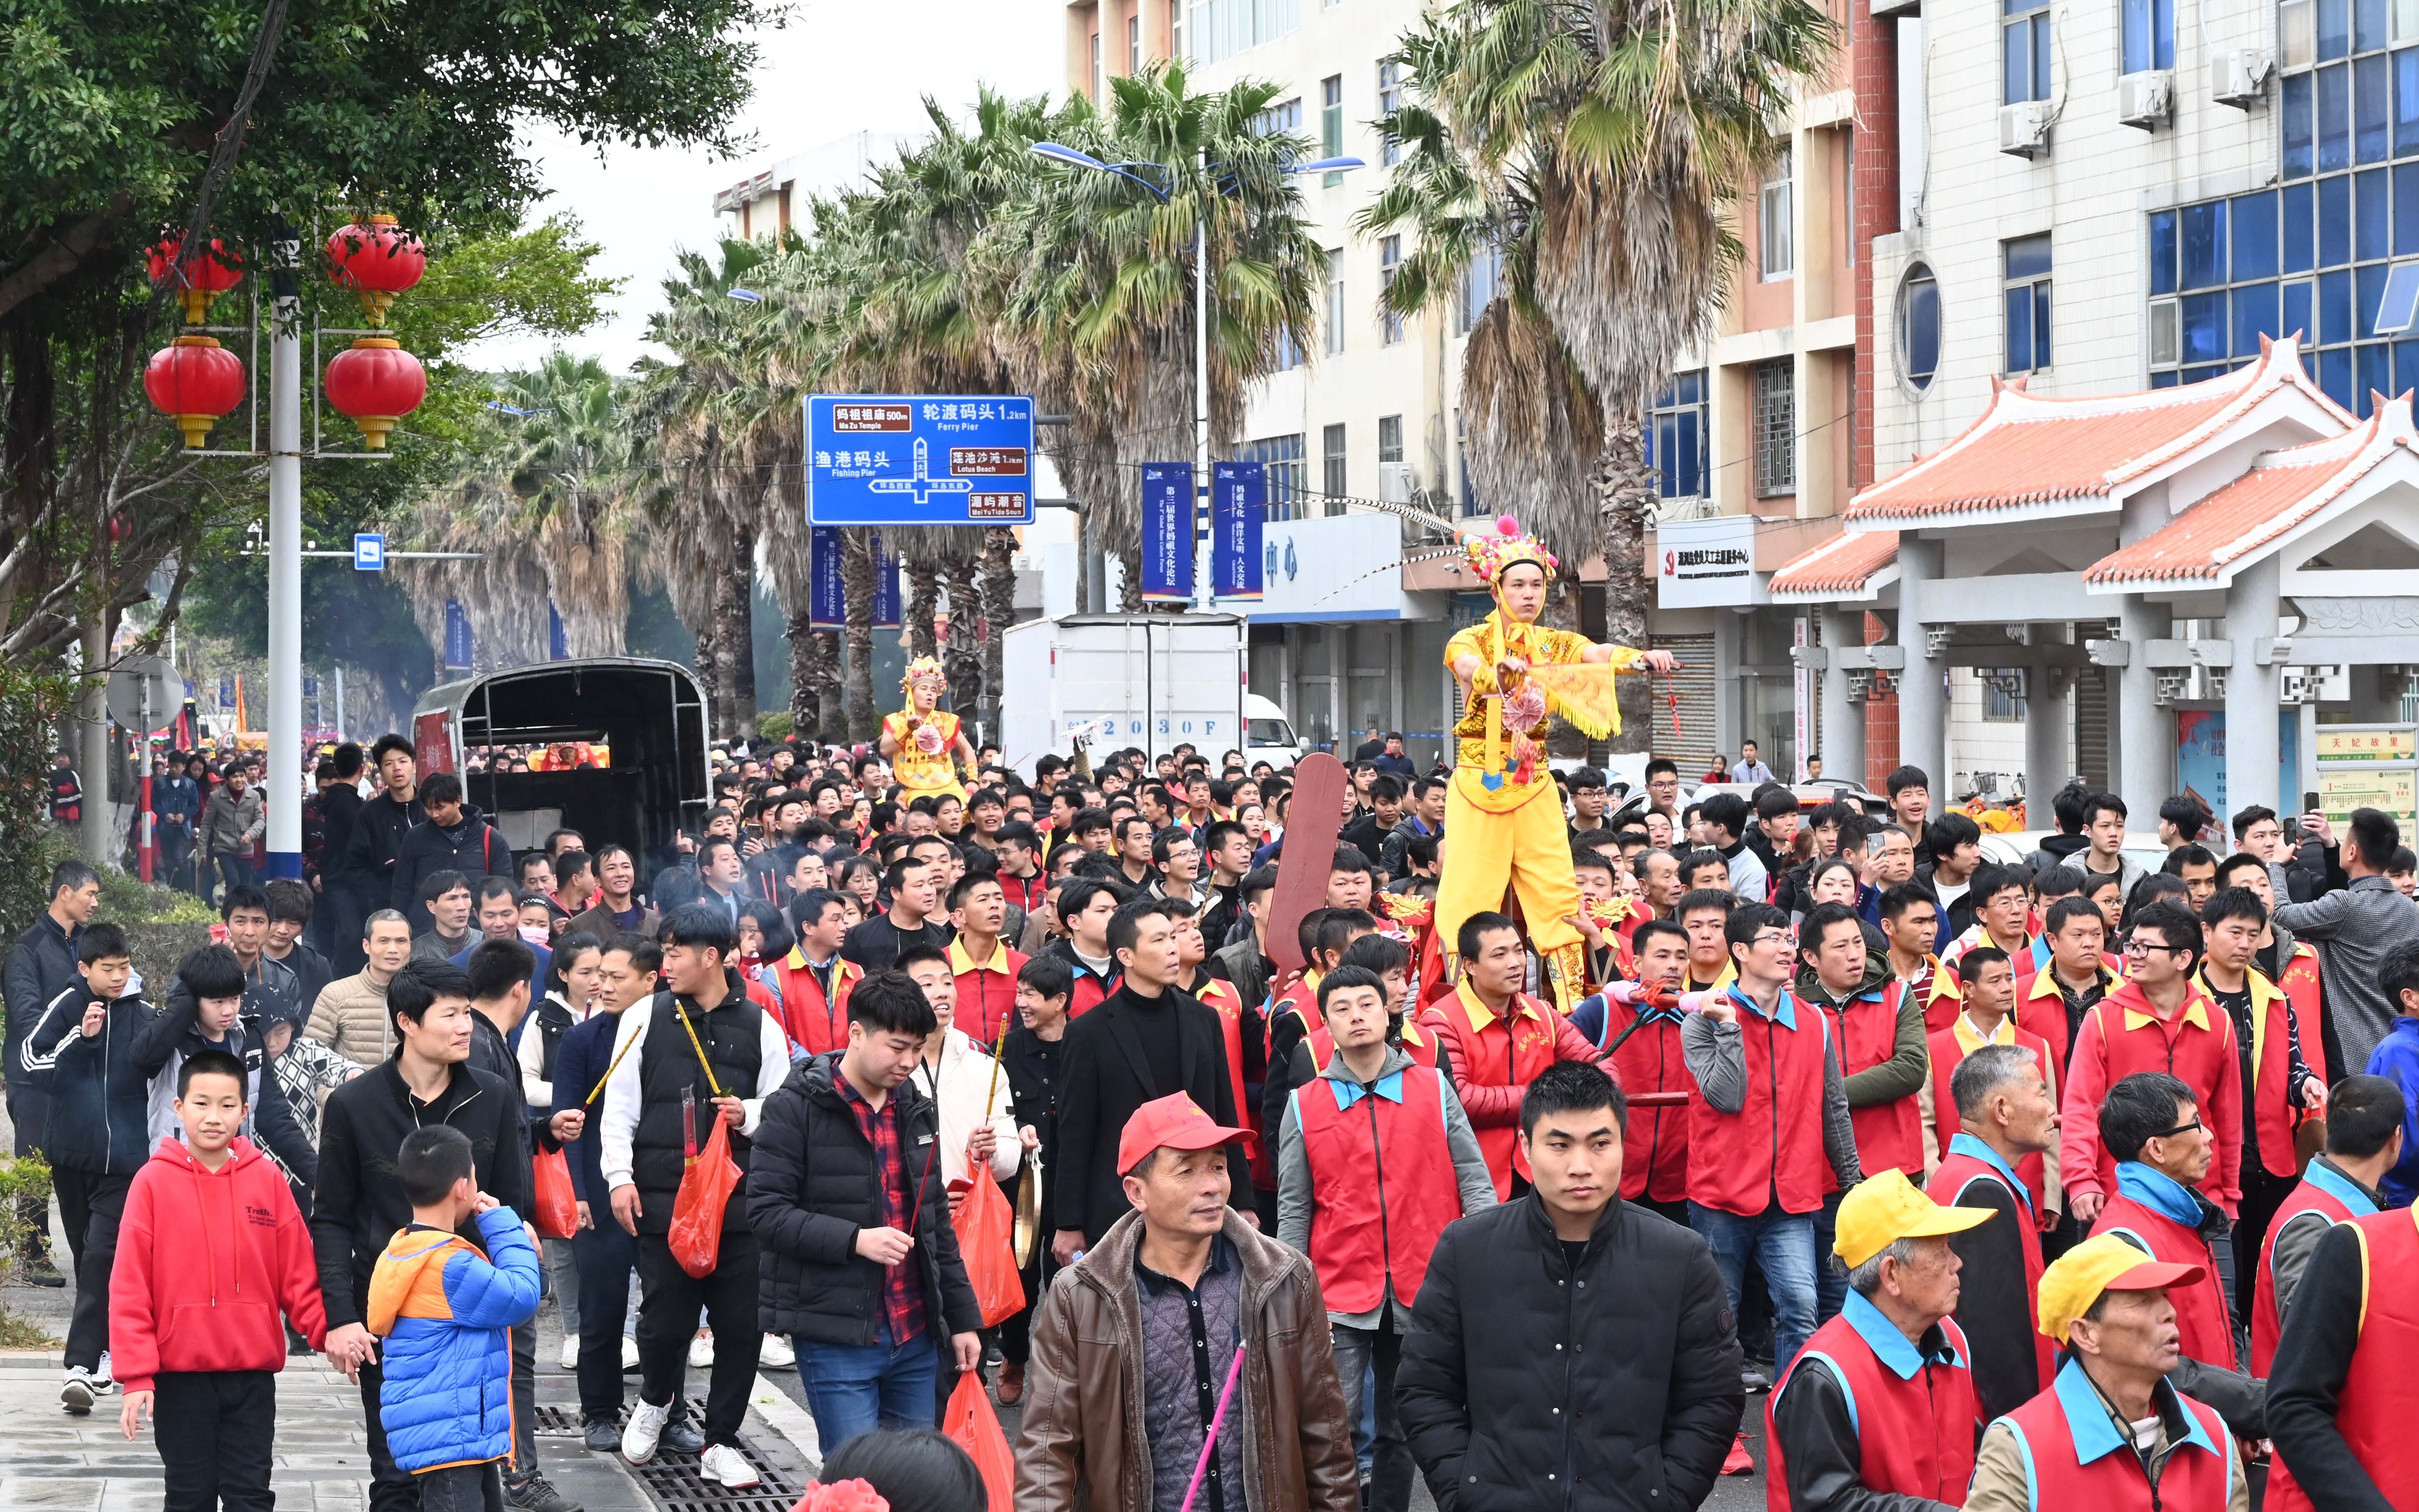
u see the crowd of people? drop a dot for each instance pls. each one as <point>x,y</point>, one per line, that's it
<point>1978,1174</point>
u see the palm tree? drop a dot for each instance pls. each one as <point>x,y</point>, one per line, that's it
<point>1596,151</point>
<point>568,456</point>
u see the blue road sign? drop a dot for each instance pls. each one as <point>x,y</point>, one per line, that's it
<point>369,553</point>
<point>919,459</point>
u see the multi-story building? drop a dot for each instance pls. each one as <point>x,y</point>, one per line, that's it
<point>769,202</point>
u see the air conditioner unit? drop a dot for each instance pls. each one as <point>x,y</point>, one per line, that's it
<point>2024,129</point>
<point>2147,99</point>
<point>2240,78</point>
<point>1397,482</point>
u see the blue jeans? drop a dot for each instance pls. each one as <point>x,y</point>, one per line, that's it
<point>855,1389</point>
<point>1783,1246</point>
<point>1830,1278</point>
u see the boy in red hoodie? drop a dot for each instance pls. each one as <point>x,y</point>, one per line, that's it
<point>210,1229</point>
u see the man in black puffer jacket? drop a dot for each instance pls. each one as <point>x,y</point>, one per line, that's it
<point>1570,1350</point>
<point>870,1290</point>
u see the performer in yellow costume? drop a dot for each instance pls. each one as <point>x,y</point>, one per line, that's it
<point>1504,815</point>
<point>922,742</point>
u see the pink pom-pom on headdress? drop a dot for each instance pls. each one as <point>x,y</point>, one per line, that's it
<point>1506,526</point>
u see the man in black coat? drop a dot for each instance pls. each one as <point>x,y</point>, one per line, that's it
<point>455,837</point>
<point>366,878</point>
<point>42,966</point>
<point>858,1260</point>
<point>1146,1040</point>
<point>1569,1349</point>
<point>340,804</point>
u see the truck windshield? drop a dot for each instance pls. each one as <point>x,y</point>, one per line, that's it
<point>1268,732</point>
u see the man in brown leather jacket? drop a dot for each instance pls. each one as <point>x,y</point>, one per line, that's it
<point>1137,1341</point>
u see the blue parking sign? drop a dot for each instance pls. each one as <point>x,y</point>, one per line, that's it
<point>919,459</point>
<point>369,553</point>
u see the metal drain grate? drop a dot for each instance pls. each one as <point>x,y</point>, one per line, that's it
<point>558,1423</point>
<point>671,1480</point>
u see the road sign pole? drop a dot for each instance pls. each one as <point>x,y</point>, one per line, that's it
<point>144,703</point>
<point>285,570</point>
<point>1203,589</point>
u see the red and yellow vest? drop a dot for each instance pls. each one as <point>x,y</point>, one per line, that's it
<point>1948,1049</point>
<point>2325,1191</point>
<point>1497,1052</point>
<point>1655,1145</point>
<point>813,1025</point>
<point>2373,1410</point>
<point>1383,1184</point>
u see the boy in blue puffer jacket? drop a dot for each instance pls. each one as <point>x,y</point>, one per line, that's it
<point>446,1313</point>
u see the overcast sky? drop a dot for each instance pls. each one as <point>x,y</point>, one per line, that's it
<point>836,67</point>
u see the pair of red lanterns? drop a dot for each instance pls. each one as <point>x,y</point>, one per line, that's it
<point>375,382</point>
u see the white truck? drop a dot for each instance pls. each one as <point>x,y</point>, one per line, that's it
<point>1155,680</point>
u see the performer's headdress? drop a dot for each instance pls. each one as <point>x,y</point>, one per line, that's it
<point>1493,552</point>
<point>921,667</point>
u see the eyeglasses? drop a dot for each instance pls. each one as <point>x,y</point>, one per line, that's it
<point>2179,1129</point>
<point>2146,946</point>
<point>1775,937</point>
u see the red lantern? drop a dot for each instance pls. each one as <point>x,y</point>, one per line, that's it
<point>378,260</point>
<point>200,278</point>
<point>375,383</point>
<point>193,381</point>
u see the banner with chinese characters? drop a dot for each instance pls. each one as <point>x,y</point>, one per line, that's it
<point>885,586</point>
<point>1167,545</point>
<point>828,601</point>
<point>1238,505</point>
<point>457,637</point>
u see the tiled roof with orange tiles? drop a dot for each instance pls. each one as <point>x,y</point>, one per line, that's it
<point>2285,488</point>
<point>1839,564</point>
<point>2027,449</point>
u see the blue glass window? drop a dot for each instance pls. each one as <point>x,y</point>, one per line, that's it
<point>2406,101</point>
<point>2334,375</point>
<point>1919,328</point>
<point>2368,293</point>
<point>2163,251</point>
<point>2370,98</point>
<point>2204,244</point>
<point>2255,236</point>
<point>2025,44</point>
<point>2149,34</point>
<point>2334,28</point>
<point>2202,375</point>
<point>2300,148</point>
<point>2334,221</point>
<point>2334,308</point>
<point>2255,315</point>
<point>2374,364</point>
<point>2026,266</point>
<point>2398,307</point>
<point>2369,237</point>
<point>2367,26</point>
<point>2295,321</point>
<point>2203,327</point>
<point>2301,252</point>
<point>1675,435</point>
<point>2406,209</point>
<point>2406,366</point>
<point>2162,381</point>
<point>2335,118</point>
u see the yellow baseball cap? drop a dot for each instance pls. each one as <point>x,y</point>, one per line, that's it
<point>1883,1209</point>
<point>2102,1263</point>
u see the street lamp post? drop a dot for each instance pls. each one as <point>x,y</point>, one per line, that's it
<point>285,562</point>
<point>1203,594</point>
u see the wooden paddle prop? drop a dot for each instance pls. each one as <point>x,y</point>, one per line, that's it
<point>1314,818</point>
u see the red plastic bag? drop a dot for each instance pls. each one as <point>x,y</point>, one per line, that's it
<point>558,1206</point>
<point>970,1424</point>
<point>986,1227</point>
<point>695,1235</point>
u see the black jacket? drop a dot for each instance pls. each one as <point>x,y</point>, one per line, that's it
<point>99,1114</point>
<point>472,847</point>
<point>1107,1077</point>
<point>312,974</point>
<point>379,828</point>
<point>42,965</point>
<point>813,1185</point>
<point>338,807</point>
<point>1995,1306</point>
<point>358,1202</point>
<point>175,1033</point>
<point>1036,1068</point>
<point>1618,1379</point>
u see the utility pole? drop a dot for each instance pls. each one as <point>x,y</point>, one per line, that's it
<point>285,566</point>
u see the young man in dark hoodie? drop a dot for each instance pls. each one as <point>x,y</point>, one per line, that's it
<point>453,837</point>
<point>42,966</point>
<point>217,1004</point>
<point>378,827</point>
<point>340,804</point>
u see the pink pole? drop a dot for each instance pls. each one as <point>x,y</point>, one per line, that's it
<point>1210,1439</point>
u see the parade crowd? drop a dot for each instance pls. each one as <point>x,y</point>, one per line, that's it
<point>2051,1185</point>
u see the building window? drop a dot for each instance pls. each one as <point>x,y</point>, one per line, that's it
<point>1334,301</point>
<point>1289,352</point>
<point>1461,463</point>
<point>1330,125</point>
<point>2149,34</point>
<point>1099,84</point>
<point>2003,694</point>
<point>1390,262</point>
<point>1331,468</point>
<point>2025,45</point>
<point>1919,328</point>
<point>1281,456</point>
<point>1390,100</point>
<point>1774,212</point>
<point>1222,28</point>
<point>1390,437</point>
<point>2026,268</point>
<point>1175,28</point>
<point>1284,118</point>
<point>1776,428</point>
<point>1134,43</point>
<point>1479,282</point>
<point>1675,436</point>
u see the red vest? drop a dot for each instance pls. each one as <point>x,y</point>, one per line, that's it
<point>811,1023</point>
<point>1088,990</point>
<point>2201,1318</point>
<point>1500,1053</point>
<point>1735,1160</point>
<point>1949,1053</point>
<point>2325,1196</point>
<point>1914,1437</point>
<point>2300,980</point>
<point>2269,1096</point>
<point>2193,1480</point>
<point>2374,1408</point>
<point>1218,995</point>
<point>1959,1171</point>
<point>1382,1187</point>
<point>1887,1133</point>
<point>1655,1146</point>
<point>1417,1043</point>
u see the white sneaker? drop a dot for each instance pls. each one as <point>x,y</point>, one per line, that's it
<point>776,1352</point>
<point>571,1354</point>
<point>629,1353</point>
<point>722,1462</point>
<point>102,1381</point>
<point>76,1393</point>
<point>645,1427</point>
<point>700,1351</point>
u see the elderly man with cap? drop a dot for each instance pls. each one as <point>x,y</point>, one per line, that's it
<point>1140,1342</point>
<point>1880,1403</point>
<point>2112,1433</point>
<point>2005,1112</point>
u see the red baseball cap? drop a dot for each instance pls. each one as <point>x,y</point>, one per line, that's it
<point>1171,1122</point>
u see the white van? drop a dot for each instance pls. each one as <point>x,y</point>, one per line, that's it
<point>1267,734</point>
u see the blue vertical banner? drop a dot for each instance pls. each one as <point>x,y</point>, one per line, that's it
<point>885,586</point>
<point>1239,496</point>
<point>827,591</point>
<point>457,637</point>
<point>1167,547</point>
<point>558,641</point>
<point>227,688</point>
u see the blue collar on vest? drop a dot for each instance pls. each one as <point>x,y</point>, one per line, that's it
<point>1893,1349</point>
<point>1348,1092</point>
<point>2159,1192</point>
<point>1965,1144</point>
<point>1785,1013</point>
<point>2335,1184</point>
<point>2093,1428</point>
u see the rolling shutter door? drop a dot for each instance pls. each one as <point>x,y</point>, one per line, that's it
<point>1693,681</point>
<point>2090,732</point>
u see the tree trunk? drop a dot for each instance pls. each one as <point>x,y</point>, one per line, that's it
<point>923,609</point>
<point>999,613</point>
<point>806,691</point>
<point>832,726</point>
<point>962,657</point>
<point>1129,591</point>
<point>856,582</point>
<point>735,628</point>
<point>709,681</point>
<point>1625,490</point>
